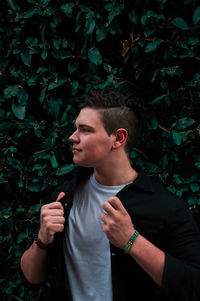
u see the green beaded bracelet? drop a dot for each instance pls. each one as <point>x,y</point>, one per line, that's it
<point>131,241</point>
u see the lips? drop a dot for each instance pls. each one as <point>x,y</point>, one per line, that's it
<point>76,150</point>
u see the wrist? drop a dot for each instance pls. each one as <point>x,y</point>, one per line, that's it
<point>40,244</point>
<point>131,242</point>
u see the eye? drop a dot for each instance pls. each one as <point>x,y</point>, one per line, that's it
<point>85,130</point>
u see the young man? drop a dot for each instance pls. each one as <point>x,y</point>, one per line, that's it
<point>112,233</point>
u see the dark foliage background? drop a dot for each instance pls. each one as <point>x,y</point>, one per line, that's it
<point>51,53</point>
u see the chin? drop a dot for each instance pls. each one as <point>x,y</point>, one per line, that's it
<point>83,164</point>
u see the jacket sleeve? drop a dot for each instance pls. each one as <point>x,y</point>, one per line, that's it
<point>181,277</point>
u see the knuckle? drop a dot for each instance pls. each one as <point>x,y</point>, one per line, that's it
<point>45,219</point>
<point>111,224</point>
<point>117,219</point>
<point>62,227</point>
<point>44,207</point>
<point>105,228</point>
<point>43,214</point>
<point>104,205</point>
<point>49,230</point>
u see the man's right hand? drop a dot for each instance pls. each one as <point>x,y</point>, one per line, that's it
<point>51,220</point>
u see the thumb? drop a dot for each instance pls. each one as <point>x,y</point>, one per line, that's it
<point>60,196</point>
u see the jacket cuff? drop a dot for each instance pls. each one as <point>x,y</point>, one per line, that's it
<point>173,279</point>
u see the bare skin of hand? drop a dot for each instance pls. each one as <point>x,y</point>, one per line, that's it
<point>117,223</point>
<point>118,227</point>
<point>51,220</point>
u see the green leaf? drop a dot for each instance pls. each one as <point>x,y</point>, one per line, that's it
<point>61,54</point>
<point>149,30</point>
<point>177,138</point>
<point>89,26</point>
<point>72,66</point>
<point>26,58</point>
<point>157,99</point>
<point>20,183</point>
<point>152,45</point>
<point>65,169</point>
<point>44,53</point>
<point>153,124</point>
<point>197,164</point>
<point>54,107</point>
<point>39,167</point>
<point>117,10</point>
<point>180,23</point>
<point>19,111</point>
<point>184,123</point>
<point>196,15</point>
<point>31,12</point>
<point>114,28</point>
<point>56,84</point>
<point>64,43</point>
<point>105,84</point>
<point>101,33</point>
<point>193,41</point>
<point>133,17</point>
<point>13,149</point>
<point>44,3</point>
<point>57,43</point>
<point>34,187</point>
<point>43,94</point>
<point>22,97</point>
<point>53,161</point>
<point>67,9</point>
<point>177,178</point>
<point>78,22</point>
<point>194,187</point>
<point>11,91</point>
<point>12,4</point>
<point>94,56</point>
<point>75,85</point>
<point>151,14</point>
<point>21,237</point>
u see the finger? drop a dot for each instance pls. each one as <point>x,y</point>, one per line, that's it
<point>104,217</point>
<point>108,208</point>
<point>53,205</point>
<point>60,196</point>
<point>55,228</point>
<point>56,212</point>
<point>56,220</point>
<point>116,203</point>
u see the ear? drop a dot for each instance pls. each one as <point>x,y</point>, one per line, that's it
<point>120,138</point>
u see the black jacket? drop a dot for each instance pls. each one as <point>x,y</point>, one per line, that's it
<point>160,217</point>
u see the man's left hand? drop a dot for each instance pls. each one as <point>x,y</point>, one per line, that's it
<point>117,223</point>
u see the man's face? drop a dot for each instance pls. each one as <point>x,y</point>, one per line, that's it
<point>91,143</point>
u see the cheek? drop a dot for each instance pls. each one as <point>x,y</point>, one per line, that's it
<point>100,148</point>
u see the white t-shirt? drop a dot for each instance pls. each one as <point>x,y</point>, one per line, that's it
<point>86,247</point>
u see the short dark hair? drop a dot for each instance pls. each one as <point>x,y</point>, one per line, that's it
<point>118,110</point>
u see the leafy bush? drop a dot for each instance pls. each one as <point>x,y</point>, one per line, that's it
<point>52,53</point>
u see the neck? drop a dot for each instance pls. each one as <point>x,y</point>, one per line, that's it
<point>113,174</point>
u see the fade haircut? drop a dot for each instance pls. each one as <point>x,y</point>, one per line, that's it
<point>117,110</point>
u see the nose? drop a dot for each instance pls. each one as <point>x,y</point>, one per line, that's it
<point>74,137</point>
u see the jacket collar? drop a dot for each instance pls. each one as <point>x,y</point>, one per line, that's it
<point>142,181</point>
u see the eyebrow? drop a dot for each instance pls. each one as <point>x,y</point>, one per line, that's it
<point>85,125</point>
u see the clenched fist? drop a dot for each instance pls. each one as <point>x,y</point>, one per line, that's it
<point>51,220</point>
